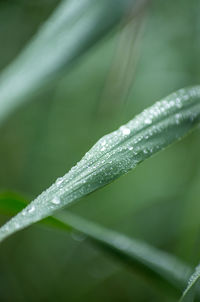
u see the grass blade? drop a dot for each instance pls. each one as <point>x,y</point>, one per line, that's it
<point>72,29</point>
<point>193,283</point>
<point>11,203</point>
<point>156,266</point>
<point>115,154</point>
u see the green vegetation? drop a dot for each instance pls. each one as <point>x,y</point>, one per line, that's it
<point>75,71</point>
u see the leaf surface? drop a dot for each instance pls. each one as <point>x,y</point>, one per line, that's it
<point>115,154</point>
<point>193,284</point>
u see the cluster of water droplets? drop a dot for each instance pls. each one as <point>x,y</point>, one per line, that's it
<point>192,283</point>
<point>195,277</point>
<point>115,154</point>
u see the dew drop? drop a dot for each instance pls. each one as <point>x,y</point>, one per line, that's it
<point>148,121</point>
<point>125,130</point>
<point>55,200</point>
<point>59,181</point>
<point>31,209</point>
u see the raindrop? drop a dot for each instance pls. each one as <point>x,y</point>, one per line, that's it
<point>31,209</point>
<point>59,181</point>
<point>55,200</point>
<point>125,130</point>
<point>148,121</point>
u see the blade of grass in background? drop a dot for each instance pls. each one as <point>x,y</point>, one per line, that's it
<point>115,154</point>
<point>73,28</point>
<point>156,266</point>
<point>122,72</point>
<point>193,283</point>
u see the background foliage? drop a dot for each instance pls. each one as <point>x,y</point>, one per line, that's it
<point>127,71</point>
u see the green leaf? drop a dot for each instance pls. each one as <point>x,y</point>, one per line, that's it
<point>73,28</point>
<point>11,203</point>
<point>115,154</point>
<point>156,266</point>
<point>193,283</point>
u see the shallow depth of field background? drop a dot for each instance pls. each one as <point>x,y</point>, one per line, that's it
<point>158,202</point>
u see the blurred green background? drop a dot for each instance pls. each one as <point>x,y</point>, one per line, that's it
<point>130,69</point>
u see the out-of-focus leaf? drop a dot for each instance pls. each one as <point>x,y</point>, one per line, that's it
<point>115,154</point>
<point>11,203</point>
<point>73,28</point>
<point>159,267</point>
<point>193,283</point>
